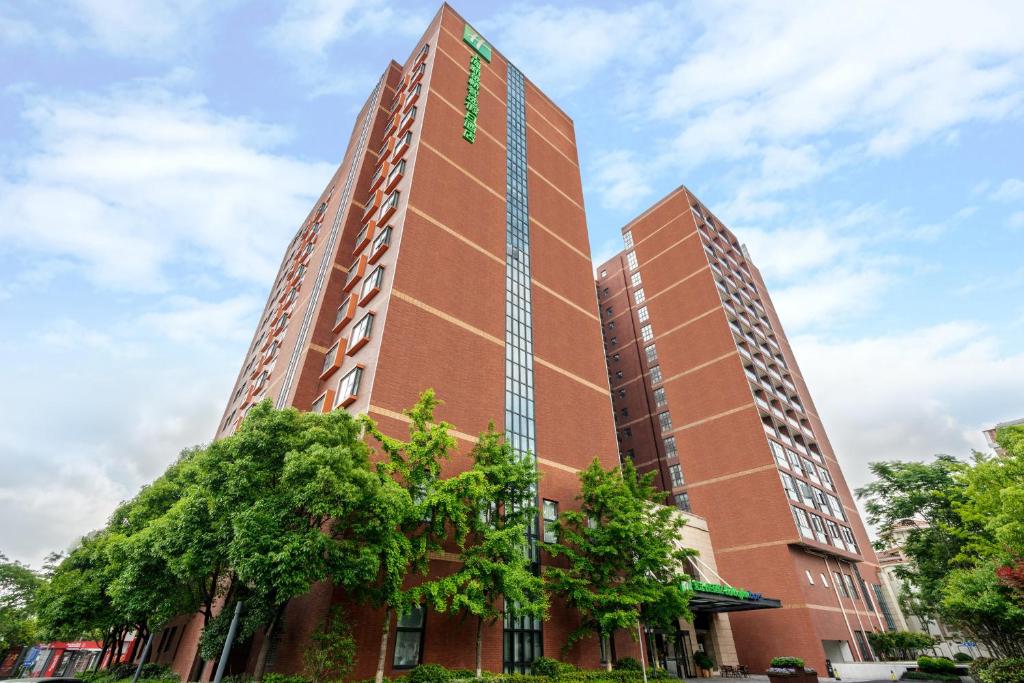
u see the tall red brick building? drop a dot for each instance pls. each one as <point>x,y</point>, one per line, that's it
<point>448,251</point>
<point>708,394</point>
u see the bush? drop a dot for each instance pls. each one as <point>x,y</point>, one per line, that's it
<point>925,676</point>
<point>703,660</point>
<point>787,662</point>
<point>283,678</point>
<point>962,657</point>
<point>627,664</point>
<point>1010,670</point>
<point>979,665</point>
<point>550,667</point>
<point>936,665</point>
<point>429,673</point>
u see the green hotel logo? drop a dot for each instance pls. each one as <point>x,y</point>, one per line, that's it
<point>476,42</point>
<point>715,588</point>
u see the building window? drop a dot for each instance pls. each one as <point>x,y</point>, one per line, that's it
<point>670,447</point>
<point>675,472</point>
<point>398,170</point>
<point>409,639</point>
<point>409,116</point>
<point>837,579</point>
<point>608,311</point>
<point>362,329</point>
<point>372,282</point>
<point>622,393</point>
<point>627,239</point>
<point>329,358</point>
<point>625,412</point>
<point>639,297</point>
<point>634,280</point>
<point>627,432</point>
<point>790,486</point>
<point>862,644</point>
<point>642,314</point>
<point>659,397</point>
<point>550,517</point>
<point>810,579</point>
<point>349,385</point>
<point>665,421</point>
<point>683,501</point>
<point>652,354</point>
<point>524,643</point>
<point>616,357</point>
<point>631,260</point>
<point>604,273</point>
<point>780,454</point>
<point>824,581</point>
<point>647,333</point>
<point>389,205</point>
<point>656,374</point>
<point>890,623</point>
<point>800,517</point>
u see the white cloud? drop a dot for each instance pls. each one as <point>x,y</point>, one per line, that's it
<point>620,180</point>
<point>837,293</point>
<point>564,48</point>
<point>190,320</point>
<point>131,182</point>
<point>912,393</point>
<point>1010,190</point>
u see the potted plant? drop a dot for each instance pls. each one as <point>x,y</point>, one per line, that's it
<point>704,662</point>
<point>785,669</point>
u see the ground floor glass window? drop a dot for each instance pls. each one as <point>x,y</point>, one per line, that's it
<point>409,640</point>
<point>524,642</point>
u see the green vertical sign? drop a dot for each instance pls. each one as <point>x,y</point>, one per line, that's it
<point>472,100</point>
<point>476,41</point>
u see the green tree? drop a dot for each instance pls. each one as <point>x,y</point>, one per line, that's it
<point>331,654</point>
<point>18,586</point>
<point>406,515</point>
<point>624,558</point>
<point>925,492</point>
<point>496,572</point>
<point>976,600</point>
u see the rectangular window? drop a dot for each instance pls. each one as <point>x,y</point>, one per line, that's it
<point>627,239</point>
<point>665,421</point>
<point>819,529</point>
<point>780,454</point>
<point>675,472</point>
<point>802,523</point>
<point>836,507</point>
<point>372,282</point>
<point>826,478</point>
<point>659,397</point>
<point>634,280</point>
<point>389,205</point>
<point>850,587</point>
<point>398,170</point>
<point>642,314</point>
<point>656,374</point>
<point>550,517</point>
<point>837,579</point>
<point>631,260</point>
<point>362,329</point>
<point>790,486</point>
<point>329,358</point>
<point>683,501</point>
<point>639,297</point>
<point>647,333</point>
<point>349,385</point>
<point>409,639</point>
<point>652,354</point>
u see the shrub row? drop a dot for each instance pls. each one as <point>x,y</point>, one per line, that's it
<point>936,665</point>
<point>1010,670</point>
<point>925,676</point>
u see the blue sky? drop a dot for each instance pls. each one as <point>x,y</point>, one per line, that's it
<point>158,155</point>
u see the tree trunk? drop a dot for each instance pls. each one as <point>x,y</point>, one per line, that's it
<point>107,637</point>
<point>608,652</point>
<point>384,633</point>
<point>479,645</point>
<point>268,635</point>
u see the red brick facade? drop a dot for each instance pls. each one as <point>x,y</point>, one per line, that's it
<point>703,382</point>
<point>439,310</point>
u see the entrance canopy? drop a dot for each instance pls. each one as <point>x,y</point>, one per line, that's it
<point>714,597</point>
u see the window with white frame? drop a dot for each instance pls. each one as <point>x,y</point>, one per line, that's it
<point>390,203</point>
<point>665,421</point>
<point>409,116</point>
<point>659,397</point>
<point>318,405</point>
<point>780,454</point>
<point>670,447</point>
<point>790,486</point>
<point>675,472</point>
<point>639,297</point>
<point>634,280</point>
<point>398,170</point>
<point>349,384</point>
<point>683,501</point>
<point>627,239</point>
<point>652,353</point>
<point>631,260</point>
<point>642,314</point>
<point>362,329</point>
<point>550,517</point>
<point>647,333</point>
<point>656,374</point>
<point>802,522</point>
<point>372,281</point>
